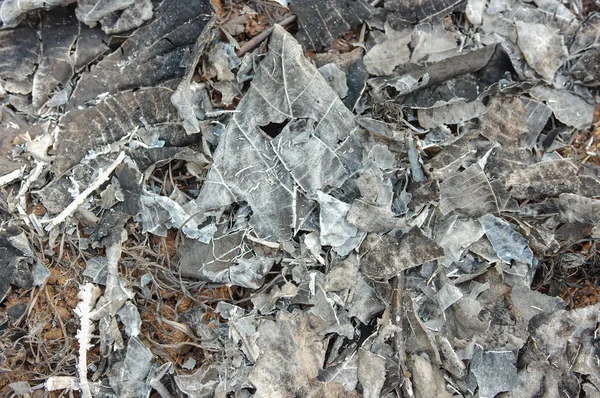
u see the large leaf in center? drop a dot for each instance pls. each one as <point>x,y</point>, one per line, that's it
<point>249,165</point>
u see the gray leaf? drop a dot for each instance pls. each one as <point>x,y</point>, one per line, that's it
<point>386,256</point>
<point>468,192</point>
<point>247,167</point>
<point>508,243</point>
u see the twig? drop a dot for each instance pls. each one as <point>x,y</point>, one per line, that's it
<point>256,40</point>
<point>12,176</point>
<point>102,177</point>
<point>88,294</point>
<point>413,157</point>
<point>397,320</point>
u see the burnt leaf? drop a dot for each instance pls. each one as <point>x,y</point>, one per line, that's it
<point>386,256</point>
<point>13,11</point>
<point>568,107</point>
<point>278,372</point>
<point>344,372</point>
<point>188,96</point>
<point>565,337</point>
<point>321,22</point>
<point>82,130</point>
<point>468,192</point>
<point>514,121</point>
<point>542,46</point>
<point>59,33</point>
<point>91,43</point>
<point>384,57</point>
<point>543,179</point>
<point>19,53</point>
<point>508,243</point>
<point>210,261</point>
<point>495,371</point>
<point>412,76</point>
<point>247,165</point>
<point>12,125</point>
<point>418,10</point>
<point>133,16</point>
<point>452,113</point>
<point>153,55</point>
<point>91,11</point>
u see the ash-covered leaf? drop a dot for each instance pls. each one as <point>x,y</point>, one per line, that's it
<point>13,11</point>
<point>96,268</point>
<point>210,261</point>
<point>152,55</point>
<point>416,10</point>
<point>569,108</point>
<point>452,157</point>
<point>130,317</point>
<point>454,76</point>
<point>386,256</point>
<point>448,295</point>
<point>495,371</point>
<point>189,96</point>
<point>335,228</point>
<point>428,379</point>
<point>12,124</point>
<point>291,355</point>
<point>575,208</point>
<point>299,149</point>
<point>453,113</point>
<point>82,130</point>
<point>531,303</point>
<point>543,179</point>
<point>455,233</point>
<point>10,267</point>
<point>365,302</point>
<point>515,121</point>
<point>564,337</point>
<point>128,377</point>
<point>469,193</point>
<point>343,372</point>
<point>20,49</point>
<point>246,166</point>
<point>250,273</point>
<point>343,275</point>
<point>371,218</point>
<point>131,17</point>
<point>336,78</point>
<point>59,33</point>
<point>384,57</point>
<point>371,373</point>
<point>508,243</point>
<point>159,213</point>
<point>543,47</point>
<point>201,384</point>
<point>322,22</point>
<point>91,11</point>
<point>91,43</point>
<point>433,42</point>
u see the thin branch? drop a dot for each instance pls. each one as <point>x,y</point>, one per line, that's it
<point>397,320</point>
<point>103,176</point>
<point>256,40</point>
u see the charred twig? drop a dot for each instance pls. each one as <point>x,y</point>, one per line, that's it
<point>397,320</point>
<point>256,40</point>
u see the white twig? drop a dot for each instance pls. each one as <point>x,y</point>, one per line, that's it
<point>103,176</point>
<point>12,176</point>
<point>88,294</point>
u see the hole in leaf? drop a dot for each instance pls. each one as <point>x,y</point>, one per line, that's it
<point>274,129</point>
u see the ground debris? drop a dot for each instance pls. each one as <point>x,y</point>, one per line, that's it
<point>329,199</point>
